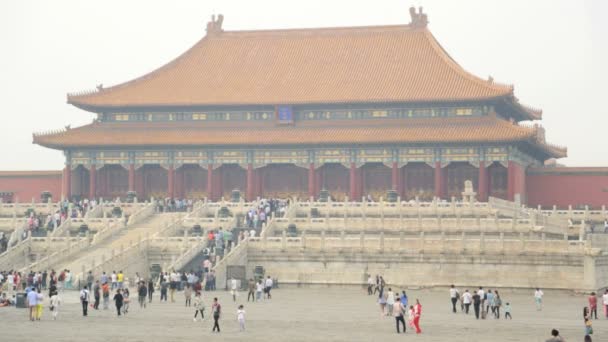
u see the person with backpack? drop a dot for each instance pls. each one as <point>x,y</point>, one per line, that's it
<point>105,291</point>
<point>216,309</point>
<point>84,299</point>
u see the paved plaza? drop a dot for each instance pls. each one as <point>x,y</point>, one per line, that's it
<point>306,314</point>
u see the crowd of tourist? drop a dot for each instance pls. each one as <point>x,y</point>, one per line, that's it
<point>258,216</point>
<point>98,291</point>
<point>395,304</point>
<point>171,205</point>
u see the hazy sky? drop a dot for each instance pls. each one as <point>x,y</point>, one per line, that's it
<point>553,51</point>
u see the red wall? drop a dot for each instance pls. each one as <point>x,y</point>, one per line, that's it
<point>26,185</point>
<point>567,188</point>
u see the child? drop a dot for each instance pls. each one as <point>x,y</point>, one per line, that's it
<point>125,301</point>
<point>258,291</point>
<point>199,306</point>
<point>188,295</point>
<point>240,316</point>
<point>410,316</point>
<point>508,311</point>
<point>55,303</point>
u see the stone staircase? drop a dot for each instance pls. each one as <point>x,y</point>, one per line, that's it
<point>113,245</point>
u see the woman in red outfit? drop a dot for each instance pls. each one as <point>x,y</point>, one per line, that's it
<point>417,313</point>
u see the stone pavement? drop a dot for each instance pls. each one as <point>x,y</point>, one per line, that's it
<point>306,314</point>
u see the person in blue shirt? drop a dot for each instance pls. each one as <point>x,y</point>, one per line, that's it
<point>489,301</point>
<point>403,299</point>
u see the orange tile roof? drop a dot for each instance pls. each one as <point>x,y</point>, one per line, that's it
<point>422,130</point>
<point>401,63</point>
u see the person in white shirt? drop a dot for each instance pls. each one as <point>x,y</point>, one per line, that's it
<point>370,285</point>
<point>259,287</point>
<point>538,299</point>
<point>466,300</point>
<point>268,287</point>
<point>605,302</point>
<point>233,289</point>
<point>240,316</point>
<point>482,296</point>
<point>454,297</point>
<point>252,233</point>
<point>54,305</point>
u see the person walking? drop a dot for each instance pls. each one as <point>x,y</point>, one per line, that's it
<point>453,297</point>
<point>240,317</point>
<point>233,289</point>
<point>508,311</point>
<point>588,321</point>
<point>105,292</point>
<point>398,312</point>
<point>268,285</point>
<point>592,305</point>
<point>199,306</point>
<point>251,286</point>
<point>216,309</point>
<point>370,285</point>
<point>90,279</point>
<point>55,303</point>
<point>150,290</point>
<point>32,301</point>
<point>163,290</point>
<point>538,299</point>
<point>118,301</point>
<point>466,300</point>
<point>84,300</point>
<point>259,288</point>
<point>142,292</point>
<point>390,301</point>
<point>96,295</point>
<point>39,299</point>
<point>605,302</point>
<point>417,314</point>
<point>188,295</point>
<point>476,304</point>
<point>125,300</point>
<point>497,304</point>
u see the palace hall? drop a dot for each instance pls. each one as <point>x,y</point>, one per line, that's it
<point>355,111</point>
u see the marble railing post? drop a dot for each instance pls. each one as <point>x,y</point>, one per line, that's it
<point>323,240</point>
<point>502,242</point>
<point>463,241</point>
<point>522,241</point>
<point>303,240</point>
<point>482,243</point>
<point>362,241</point>
<point>421,242</point>
<point>284,240</point>
<point>382,242</point>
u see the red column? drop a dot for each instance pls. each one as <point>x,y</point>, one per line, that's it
<point>438,180</point>
<point>353,182</point>
<point>132,177</point>
<point>261,182</point>
<point>249,195</point>
<point>311,180</point>
<point>511,181</point>
<point>67,186</point>
<point>210,181</point>
<point>395,177</point>
<point>218,185</point>
<point>92,182</point>
<point>482,187</point>
<point>403,186</point>
<point>170,182</point>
